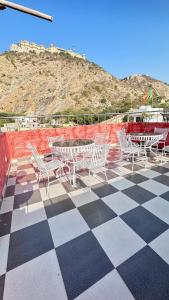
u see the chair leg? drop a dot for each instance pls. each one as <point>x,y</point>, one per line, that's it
<point>48,185</point>
<point>106,176</point>
<point>69,173</point>
<point>38,177</point>
<point>163,150</point>
<point>132,162</point>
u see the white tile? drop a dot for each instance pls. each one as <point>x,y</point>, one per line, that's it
<point>158,207</point>
<point>11,181</point>
<point>121,171</point>
<point>166,165</point>
<point>112,180</point>
<point>121,163</point>
<point>83,197</point>
<point>38,279</point>
<point>91,180</point>
<point>25,187</point>
<point>67,226</point>
<point>24,162</point>
<point>54,191</point>
<point>28,215</point>
<point>119,202</point>
<point>7,204</point>
<point>118,240</point>
<point>161,245</point>
<point>110,287</point>
<point>4,245</point>
<point>148,173</point>
<point>154,187</point>
<point>122,184</point>
<point>149,165</point>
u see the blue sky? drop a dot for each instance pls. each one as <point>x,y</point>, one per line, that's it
<point>123,36</point>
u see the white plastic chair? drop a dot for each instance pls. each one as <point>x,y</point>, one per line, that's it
<point>101,138</point>
<point>45,168</point>
<point>58,139</point>
<point>149,144</point>
<point>52,140</point>
<point>96,162</point>
<point>128,149</point>
<point>162,141</point>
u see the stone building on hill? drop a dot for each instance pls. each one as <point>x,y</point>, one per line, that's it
<point>25,46</point>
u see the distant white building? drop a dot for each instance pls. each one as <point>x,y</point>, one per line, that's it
<point>146,113</point>
<point>27,122</point>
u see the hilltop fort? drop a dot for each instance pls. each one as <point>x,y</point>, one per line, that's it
<point>25,46</point>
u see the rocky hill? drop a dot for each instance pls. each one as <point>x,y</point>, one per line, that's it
<point>48,83</point>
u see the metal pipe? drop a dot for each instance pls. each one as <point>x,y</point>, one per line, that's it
<point>2,7</point>
<point>4,4</point>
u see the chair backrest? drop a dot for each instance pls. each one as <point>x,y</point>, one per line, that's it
<point>100,153</point>
<point>101,138</point>
<point>55,139</point>
<point>39,161</point>
<point>124,142</point>
<point>163,131</point>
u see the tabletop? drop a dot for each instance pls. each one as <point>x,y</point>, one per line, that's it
<point>73,143</point>
<point>145,136</point>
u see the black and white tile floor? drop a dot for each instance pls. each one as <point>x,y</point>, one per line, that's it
<point>108,244</point>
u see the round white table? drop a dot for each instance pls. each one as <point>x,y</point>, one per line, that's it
<point>71,149</point>
<point>145,136</point>
<point>146,139</point>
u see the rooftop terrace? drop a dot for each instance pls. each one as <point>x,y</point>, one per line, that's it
<point>110,244</point>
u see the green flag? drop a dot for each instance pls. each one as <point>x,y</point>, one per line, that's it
<point>150,96</point>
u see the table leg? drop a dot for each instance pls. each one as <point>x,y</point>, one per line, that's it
<point>74,175</point>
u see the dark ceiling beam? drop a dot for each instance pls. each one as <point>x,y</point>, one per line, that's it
<point>4,4</point>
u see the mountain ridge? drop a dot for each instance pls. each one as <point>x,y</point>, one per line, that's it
<point>48,83</point>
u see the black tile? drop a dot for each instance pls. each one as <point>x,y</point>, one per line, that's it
<point>136,167</point>
<point>2,283</point>
<point>28,243</point>
<point>110,175</point>
<point>165,196</point>
<point>96,213</point>
<point>69,188</point>
<point>5,223</point>
<point>25,166</point>
<point>83,172</point>
<point>136,178</point>
<point>147,225</point>
<point>58,205</point>
<point>27,198</point>
<point>164,179</point>
<point>160,169</point>
<point>103,190</point>
<point>44,181</point>
<point>26,178</point>
<point>138,194</point>
<point>146,275</point>
<point>83,262</point>
<point>10,190</point>
<point>111,165</point>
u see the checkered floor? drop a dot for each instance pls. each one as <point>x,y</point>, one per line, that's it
<point>108,244</point>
